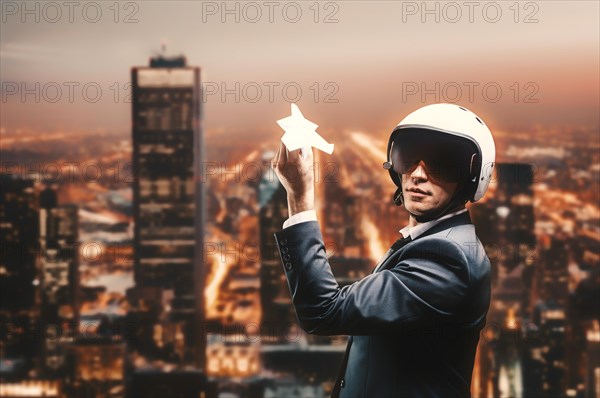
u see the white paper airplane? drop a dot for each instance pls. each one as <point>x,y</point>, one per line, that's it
<point>301,133</point>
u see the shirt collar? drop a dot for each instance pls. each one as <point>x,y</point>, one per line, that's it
<point>417,230</point>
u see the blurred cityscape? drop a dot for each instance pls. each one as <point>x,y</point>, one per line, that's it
<point>144,265</point>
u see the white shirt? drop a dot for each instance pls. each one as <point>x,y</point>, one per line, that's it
<point>311,215</point>
<point>308,215</point>
<point>420,228</point>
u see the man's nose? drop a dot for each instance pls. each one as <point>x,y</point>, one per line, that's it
<point>419,172</point>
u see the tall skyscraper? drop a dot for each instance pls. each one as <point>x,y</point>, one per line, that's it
<point>59,231</point>
<point>168,206</point>
<point>505,224</point>
<point>19,234</point>
<point>19,280</point>
<point>277,309</point>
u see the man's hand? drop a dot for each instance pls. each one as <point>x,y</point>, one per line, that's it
<point>297,175</point>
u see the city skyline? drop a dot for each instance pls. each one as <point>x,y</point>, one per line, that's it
<point>138,206</point>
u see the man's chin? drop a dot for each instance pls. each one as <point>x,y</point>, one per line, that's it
<point>417,205</point>
<point>417,210</point>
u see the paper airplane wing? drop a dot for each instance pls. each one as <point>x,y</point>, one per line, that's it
<point>319,142</point>
<point>296,111</point>
<point>291,123</point>
<point>297,139</point>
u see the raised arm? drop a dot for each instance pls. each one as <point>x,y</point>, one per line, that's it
<point>429,281</point>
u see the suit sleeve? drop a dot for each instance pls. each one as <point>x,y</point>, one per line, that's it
<point>429,281</point>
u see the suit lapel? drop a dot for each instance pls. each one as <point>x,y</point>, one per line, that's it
<point>385,257</point>
<point>386,261</point>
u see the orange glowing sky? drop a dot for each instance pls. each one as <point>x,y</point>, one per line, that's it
<point>369,54</point>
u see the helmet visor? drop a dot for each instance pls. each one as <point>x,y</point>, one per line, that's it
<point>446,157</point>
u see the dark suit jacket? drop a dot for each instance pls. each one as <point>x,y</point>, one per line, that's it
<point>415,323</point>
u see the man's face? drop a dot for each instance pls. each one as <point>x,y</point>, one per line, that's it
<point>422,192</point>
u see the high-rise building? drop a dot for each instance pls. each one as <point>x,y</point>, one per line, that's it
<point>553,275</point>
<point>505,224</point>
<point>59,231</point>
<point>19,232</point>
<point>277,308</point>
<point>168,206</point>
<point>19,279</point>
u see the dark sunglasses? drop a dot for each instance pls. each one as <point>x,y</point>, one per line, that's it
<point>444,159</point>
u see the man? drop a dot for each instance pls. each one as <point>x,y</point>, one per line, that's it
<point>415,321</point>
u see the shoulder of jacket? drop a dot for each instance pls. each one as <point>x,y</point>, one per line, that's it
<point>441,249</point>
<point>435,244</point>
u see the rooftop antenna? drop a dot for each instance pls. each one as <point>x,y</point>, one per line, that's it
<point>161,59</point>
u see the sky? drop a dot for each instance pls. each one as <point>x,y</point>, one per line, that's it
<point>358,65</point>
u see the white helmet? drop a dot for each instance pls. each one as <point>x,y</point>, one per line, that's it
<point>459,128</point>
